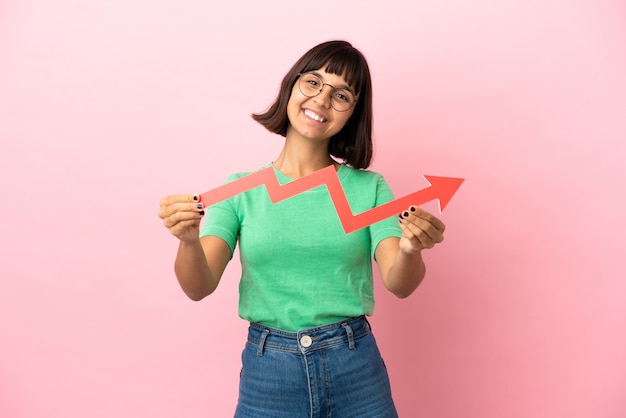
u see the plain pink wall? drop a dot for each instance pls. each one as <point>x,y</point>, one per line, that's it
<point>105,107</point>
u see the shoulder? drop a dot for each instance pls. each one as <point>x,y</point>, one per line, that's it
<point>362,176</point>
<point>238,175</point>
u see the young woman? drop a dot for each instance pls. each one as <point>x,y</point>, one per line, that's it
<point>306,286</point>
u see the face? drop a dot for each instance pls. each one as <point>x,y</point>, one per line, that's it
<point>314,117</point>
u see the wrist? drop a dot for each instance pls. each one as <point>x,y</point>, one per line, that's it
<point>191,241</point>
<point>409,250</point>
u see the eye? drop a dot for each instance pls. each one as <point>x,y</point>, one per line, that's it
<point>312,81</point>
<point>343,96</point>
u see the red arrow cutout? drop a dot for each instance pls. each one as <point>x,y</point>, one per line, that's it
<point>441,188</point>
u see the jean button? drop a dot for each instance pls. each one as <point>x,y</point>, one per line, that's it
<point>306,341</point>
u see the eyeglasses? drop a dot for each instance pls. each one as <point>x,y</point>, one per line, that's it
<point>340,99</point>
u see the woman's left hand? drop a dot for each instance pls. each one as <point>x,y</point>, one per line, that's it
<point>420,230</point>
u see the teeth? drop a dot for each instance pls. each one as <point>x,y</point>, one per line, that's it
<point>314,116</point>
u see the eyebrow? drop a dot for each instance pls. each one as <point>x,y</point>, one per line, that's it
<point>341,87</point>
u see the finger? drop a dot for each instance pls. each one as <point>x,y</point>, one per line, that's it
<point>169,210</point>
<point>427,216</point>
<point>182,216</point>
<point>423,230</point>
<point>427,222</point>
<point>179,198</point>
<point>181,227</point>
<point>418,236</point>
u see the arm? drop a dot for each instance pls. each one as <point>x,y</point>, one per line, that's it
<point>399,260</point>
<point>199,263</point>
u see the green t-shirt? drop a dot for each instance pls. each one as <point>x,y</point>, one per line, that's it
<point>299,268</point>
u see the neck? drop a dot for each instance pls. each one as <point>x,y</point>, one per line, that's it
<point>296,163</point>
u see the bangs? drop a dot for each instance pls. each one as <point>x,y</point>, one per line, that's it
<point>344,61</point>
<point>349,69</point>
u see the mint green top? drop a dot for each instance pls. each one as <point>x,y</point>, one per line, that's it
<point>299,268</point>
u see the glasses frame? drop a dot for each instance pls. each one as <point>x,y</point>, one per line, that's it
<point>322,89</point>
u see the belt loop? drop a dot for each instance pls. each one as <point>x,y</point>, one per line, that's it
<point>266,332</point>
<point>369,326</point>
<point>351,345</point>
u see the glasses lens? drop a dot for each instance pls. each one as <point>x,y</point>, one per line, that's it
<point>311,85</point>
<point>342,100</point>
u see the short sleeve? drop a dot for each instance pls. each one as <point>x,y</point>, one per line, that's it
<point>387,227</point>
<point>222,220</point>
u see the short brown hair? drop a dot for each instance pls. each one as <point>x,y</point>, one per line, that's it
<point>354,142</point>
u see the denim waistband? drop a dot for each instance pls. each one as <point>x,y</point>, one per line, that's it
<point>310,339</point>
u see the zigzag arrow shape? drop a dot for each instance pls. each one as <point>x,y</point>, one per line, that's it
<point>441,188</point>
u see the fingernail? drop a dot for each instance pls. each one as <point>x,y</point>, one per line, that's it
<point>400,216</point>
<point>196,197</point>
<point>201,213</point>
<point>199,205</point>
<point>405,213</point>
<point>412,208</point>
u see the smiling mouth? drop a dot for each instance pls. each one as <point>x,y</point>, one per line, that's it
<point>314,116</point>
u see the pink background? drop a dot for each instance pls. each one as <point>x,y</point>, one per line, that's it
<point>107,106</point>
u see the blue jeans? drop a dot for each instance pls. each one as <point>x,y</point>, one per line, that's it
<point>333,371</point>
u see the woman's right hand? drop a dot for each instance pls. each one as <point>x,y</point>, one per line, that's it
<point>181,214</point>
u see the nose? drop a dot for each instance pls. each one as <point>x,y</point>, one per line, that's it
<point>324,96</point>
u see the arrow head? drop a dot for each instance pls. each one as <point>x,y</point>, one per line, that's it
<point>444,188</point>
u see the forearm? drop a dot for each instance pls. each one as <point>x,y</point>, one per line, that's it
<point>192,270</point>
<point>405,274</point>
